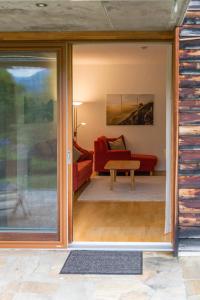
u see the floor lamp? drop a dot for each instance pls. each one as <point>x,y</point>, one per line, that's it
<point>75,118</point>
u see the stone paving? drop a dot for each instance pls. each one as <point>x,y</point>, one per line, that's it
<point>34,275</point>
<point>191,276</point>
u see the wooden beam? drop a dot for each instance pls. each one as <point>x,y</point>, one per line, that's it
<point>88,35</point>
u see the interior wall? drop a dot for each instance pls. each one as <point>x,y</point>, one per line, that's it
<point>92,83</point>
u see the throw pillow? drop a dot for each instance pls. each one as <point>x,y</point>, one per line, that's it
<point>84,153</point>
<point>76,154</point>
<point>117,144</point>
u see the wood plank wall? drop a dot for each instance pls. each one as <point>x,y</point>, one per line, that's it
<point>189,131</point>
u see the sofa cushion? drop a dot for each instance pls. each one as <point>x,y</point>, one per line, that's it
<point>106,140</point>
<point>147,162</point>
<point>76,154</point>
<point>118,144</point>
<point>84,169</point>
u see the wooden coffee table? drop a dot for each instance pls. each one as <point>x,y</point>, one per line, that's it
<point>128,165</point>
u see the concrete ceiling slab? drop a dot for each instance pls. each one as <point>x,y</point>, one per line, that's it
<point>148,14</point>
<point>90,15</point>
<point>57,16</point>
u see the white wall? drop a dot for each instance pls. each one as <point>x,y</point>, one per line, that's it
<point>92,82</point>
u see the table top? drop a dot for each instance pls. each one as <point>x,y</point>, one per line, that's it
<point>122,165</point>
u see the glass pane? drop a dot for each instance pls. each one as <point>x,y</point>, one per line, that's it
<point>28,141</point>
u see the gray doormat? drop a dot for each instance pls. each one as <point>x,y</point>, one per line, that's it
<point>103,262</point>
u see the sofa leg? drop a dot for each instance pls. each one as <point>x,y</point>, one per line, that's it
<point>151,173</point>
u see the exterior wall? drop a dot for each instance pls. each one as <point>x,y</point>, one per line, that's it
<point>189,131</point>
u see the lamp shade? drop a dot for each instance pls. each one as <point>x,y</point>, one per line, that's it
<point>76,103</point>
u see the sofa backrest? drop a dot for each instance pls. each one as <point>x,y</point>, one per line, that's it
<point>102,145</point>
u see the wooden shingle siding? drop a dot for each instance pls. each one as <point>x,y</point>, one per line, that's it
<point>189,131</point>
<point>189,181</point>
<point>189,55</point>
<point>192,18</point>
<point>189,194</point>
<point>187,168</point>
<point>189,118</point>
<point>189,94</point>
<point>190,31</point>
<point>189,81</point>
<point>190,105</point>
<point>189,43</point>
<point>189,68</point>
<point>189,232</point>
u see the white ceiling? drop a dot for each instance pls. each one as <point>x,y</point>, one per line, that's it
<point>92,15</point>
<point>116,53</point>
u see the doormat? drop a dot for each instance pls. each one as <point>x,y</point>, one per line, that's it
<point>103,262</point>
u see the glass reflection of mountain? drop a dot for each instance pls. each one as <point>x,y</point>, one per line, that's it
<point>34,83</point>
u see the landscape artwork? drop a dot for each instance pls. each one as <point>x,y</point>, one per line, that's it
<point>130,109</point>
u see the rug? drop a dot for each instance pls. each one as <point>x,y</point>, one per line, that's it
<point>103,262</point>
<point>147,188</point>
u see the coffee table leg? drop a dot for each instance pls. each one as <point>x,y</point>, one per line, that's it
<point>115,175</point>
<point>112,178</point>
<point>132,179</point>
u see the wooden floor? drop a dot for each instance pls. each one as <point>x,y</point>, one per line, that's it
<point>119,221</point>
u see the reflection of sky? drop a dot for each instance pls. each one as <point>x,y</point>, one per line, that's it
<point>24,71</point>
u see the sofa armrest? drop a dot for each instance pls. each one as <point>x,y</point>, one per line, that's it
<point>90,155</point>
<point>119,155</point>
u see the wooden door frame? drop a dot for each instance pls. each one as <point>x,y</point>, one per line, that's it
<point>175,80</point>
<point>66,121</point>
<point>174,137</point>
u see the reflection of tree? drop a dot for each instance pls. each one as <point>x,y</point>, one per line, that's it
<point>8,92</point>
<point>37,111</point>
<point>38,103</point>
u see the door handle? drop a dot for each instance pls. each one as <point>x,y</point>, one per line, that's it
<point>69,158</point>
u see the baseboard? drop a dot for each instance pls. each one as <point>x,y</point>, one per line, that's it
<point>159,173</point>
<point>155,173</point>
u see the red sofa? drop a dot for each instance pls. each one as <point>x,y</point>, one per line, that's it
<point>102,154</point>
<point>82,169</point>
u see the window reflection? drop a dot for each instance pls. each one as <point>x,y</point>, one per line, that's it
<point>28,141</point>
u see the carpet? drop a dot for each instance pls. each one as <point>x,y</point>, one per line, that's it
<point>147,188</point>
<point>103,262</point>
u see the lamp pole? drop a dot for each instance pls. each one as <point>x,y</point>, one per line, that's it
<point>75,117</point>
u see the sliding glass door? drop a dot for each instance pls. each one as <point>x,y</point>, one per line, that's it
<point>30,101</point>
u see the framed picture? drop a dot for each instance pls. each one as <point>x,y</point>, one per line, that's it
<point>130,109</point>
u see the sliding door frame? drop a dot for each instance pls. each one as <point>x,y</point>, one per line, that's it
<point>30,239</point>
<point>65,185</point>
<point>173,140</point>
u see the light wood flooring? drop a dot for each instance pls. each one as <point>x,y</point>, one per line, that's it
<point>119,221</point>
